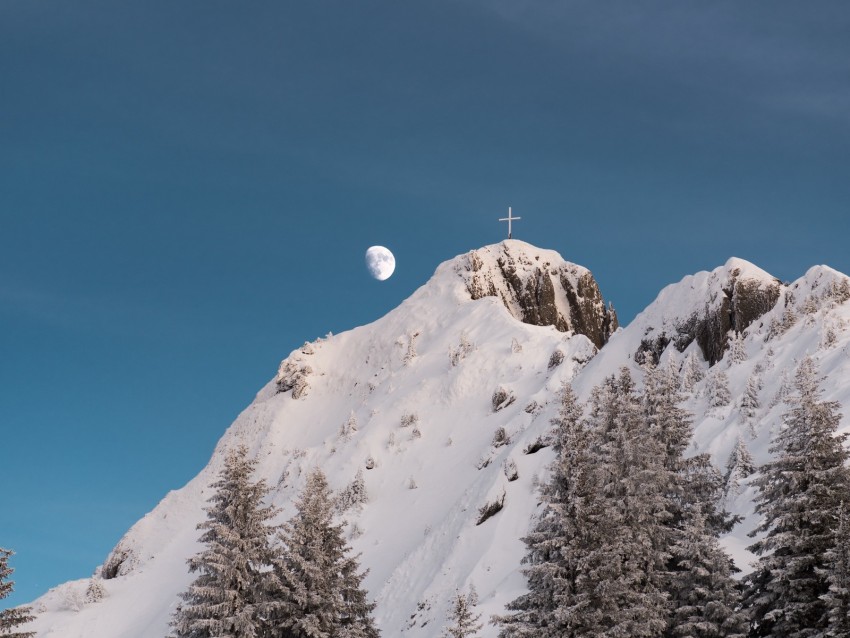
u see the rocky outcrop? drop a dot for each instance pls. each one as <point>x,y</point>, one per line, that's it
<point>734,300</point>
<point>538,287</point>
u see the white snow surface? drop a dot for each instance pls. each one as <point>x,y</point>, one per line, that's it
<point>420,543</point>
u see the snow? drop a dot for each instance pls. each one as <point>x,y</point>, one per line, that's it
<point>422,544</point>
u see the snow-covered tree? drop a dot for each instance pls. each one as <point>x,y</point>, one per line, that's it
<point>739,466</point>
<point>627,542</point>
<point>458,354</point>
<point>316,587</point>
<point>11,619</point>
<point>552,560</point>
<point>227,596</point>
<point>839,290</point>
<point>769,358</point>
<point>464,621</point>
<point>348,427</point>
<point>410,352</point>
<point>628,570</point>
<point>718,390</point>
<point>785,388</point>
<point>750,400</point>
<point>789,318</point>
<point>810,306</point>
<point>705,600</point>
<point>837,573</point>
<point>662,413</point>
<point>691,372</point>
<point>353,495</point>
<point>801,498</point>
<point>697,574</point>
<point>737,352</point>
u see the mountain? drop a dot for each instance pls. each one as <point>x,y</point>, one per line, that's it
<point>441,399</point>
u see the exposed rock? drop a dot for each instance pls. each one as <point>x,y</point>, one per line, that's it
<point>120,562</point>
<point>538,287</point>
<point>737,302</point>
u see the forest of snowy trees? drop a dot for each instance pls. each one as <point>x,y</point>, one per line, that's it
<point>627,543</point>
<point>297,580</point>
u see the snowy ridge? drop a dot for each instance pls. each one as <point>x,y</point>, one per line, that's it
<point>430,402</point>
<point>811,317</point>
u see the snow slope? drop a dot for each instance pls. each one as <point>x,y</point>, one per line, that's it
<point>417,400</point>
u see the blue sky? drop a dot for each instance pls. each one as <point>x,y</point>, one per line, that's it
<point>187,190</point>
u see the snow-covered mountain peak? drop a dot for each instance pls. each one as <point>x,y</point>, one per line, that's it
<point>539,287</point>
<point>743,269</point>
<point>443,408</point>
<point>704,308</point>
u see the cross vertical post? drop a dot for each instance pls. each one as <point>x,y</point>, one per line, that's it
<point>509,219</point>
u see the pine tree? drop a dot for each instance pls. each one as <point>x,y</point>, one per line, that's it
<point>354,494</point>
<point>225,599</point>
<point>718,390</point>
<point>739,466</point>
<point>784,391</point>
<point>10,619</point>
<point>750,400</point>
<point>800,500</point>
<point>349,427</point>
<point>837,574</point>
<point>737,351</point>
<point>698,574</point>
<point>663,412</point>
<point>553,553</point>
<point>691,372</point>
<point>622,572</point>
<point>464,621</point>
<point>706,601</point>
<point>317,587</point>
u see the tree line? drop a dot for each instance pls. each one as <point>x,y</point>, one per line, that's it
<point>627,542</point>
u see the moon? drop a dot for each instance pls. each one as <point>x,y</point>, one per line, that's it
<point>380,262</point>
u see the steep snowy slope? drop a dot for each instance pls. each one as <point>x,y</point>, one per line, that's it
<point>435,397</point>
<point>431,403</point>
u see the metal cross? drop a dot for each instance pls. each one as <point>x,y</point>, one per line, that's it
<point>509,219</point>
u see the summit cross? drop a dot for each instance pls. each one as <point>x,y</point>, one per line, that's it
<point>509,219</point>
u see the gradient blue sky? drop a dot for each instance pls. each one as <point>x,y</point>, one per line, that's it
<point>187,190</point>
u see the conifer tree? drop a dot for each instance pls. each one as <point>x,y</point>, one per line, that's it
<point>621,567</point>
<point>800,499</point>
<point>737,351</point>
<point>354,494</point>
<point>706,601</point>
<point>739,466</point>
<point>718,390</point>
<point>691,372</point>
<point>837,573</point>
<point>786,386</point>
<point>10,619</point>
<point>317,589</point>
<point>553,551</point>
<point>464,621</point>
<point>225,599</point>
<point>698,575</point>
<point>750,400</point>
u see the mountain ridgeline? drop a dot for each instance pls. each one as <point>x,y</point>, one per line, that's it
<point>436,427</point>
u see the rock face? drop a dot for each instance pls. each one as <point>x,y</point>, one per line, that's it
<point>744,301</point>
<point>539,288</point>
<point>730,298</point>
